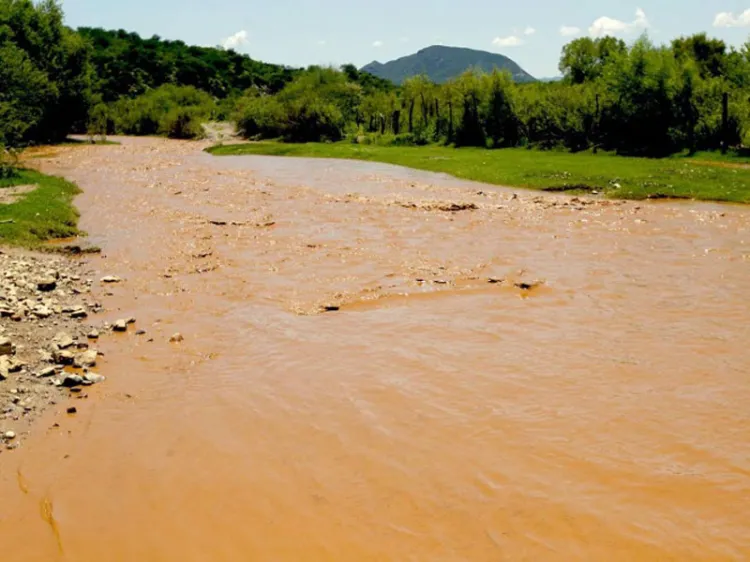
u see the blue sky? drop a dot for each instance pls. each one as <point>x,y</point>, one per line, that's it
<point>303,32</point>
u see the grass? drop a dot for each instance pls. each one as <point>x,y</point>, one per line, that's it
<point>704,176</point>
<point>43,214</point>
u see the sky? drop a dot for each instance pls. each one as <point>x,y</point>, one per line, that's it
<point>334,32</point>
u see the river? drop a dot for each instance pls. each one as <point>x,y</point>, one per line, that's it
<point>368,375</point>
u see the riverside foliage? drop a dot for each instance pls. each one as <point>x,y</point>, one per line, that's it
<point>639,99</point>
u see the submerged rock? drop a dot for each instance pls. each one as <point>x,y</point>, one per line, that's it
<point>176,338</point>
<point>120,326</point>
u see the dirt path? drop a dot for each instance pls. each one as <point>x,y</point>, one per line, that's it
<point>382,364</point>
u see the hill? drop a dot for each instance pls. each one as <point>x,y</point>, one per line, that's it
<point>126,64</point>
<point>442,63</point>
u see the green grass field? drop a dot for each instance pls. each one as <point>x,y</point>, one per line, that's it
<point>40,215</point>
<point>704,176</point>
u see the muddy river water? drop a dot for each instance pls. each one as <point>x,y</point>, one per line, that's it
<point>443,413</point>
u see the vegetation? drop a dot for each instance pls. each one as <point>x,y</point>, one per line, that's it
<point>641,100</point>
<point>127,65</point>
<point>440,64</point>
<point>174,111</point>
<point>703,176</point>
<point>45,212</point>
<point>45,75</point>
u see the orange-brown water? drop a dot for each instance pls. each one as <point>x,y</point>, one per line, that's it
<point>603,415</point>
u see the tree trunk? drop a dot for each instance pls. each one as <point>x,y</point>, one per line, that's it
<point>450,121</point>
<point>596,126</point>
<point>437,118</point>
<point>396,122</point>
<point>411,116</point>
<point>382,124</point>
<point>724,123</point>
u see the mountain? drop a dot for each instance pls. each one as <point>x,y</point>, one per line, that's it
<point>442,63</point>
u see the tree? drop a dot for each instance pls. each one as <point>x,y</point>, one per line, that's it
<point>708,54</point>
<point>583,60</point>
<point>46,79</point>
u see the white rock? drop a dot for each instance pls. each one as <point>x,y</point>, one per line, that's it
<point>9,435</point>
<point>120,326</point>
<point>86,359</point>
<point>63,340</point>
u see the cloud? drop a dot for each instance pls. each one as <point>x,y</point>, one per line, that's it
<point>377,44</point>
<point>609,26</point>
<point>510,41</point>
<point>728,19</point>
<point>237,40</point>
<point>569,30</point>
<point>529,31</point>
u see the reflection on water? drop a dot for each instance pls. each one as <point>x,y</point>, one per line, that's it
<point>437,415</point>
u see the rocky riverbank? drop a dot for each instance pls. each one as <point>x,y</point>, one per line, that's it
<point>47,338</point>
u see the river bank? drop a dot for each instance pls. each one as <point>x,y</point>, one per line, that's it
<point>706,176</point>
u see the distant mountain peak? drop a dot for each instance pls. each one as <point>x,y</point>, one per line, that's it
<point>441,63</point>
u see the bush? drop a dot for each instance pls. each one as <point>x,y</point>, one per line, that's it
<point>8,163</point>
<point>182,123</point>
<point>176,111</point>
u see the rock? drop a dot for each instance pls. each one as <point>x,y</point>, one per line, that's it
<point>495,280</point>
<point>131,320</point>
<point>42,312</point>
<point>47,284</point>
<point>120,326</point>
<point>331,308</point>
<point>63,357</point>
<point>72,410</point>
<point>9,435</point>
<point>15,365</point>
<point>71,381</point>
<point>4,367</point>
<point>110,279</point>
<point>93,378</point>
<point>524,286</point>
<point>176,338</point>
<point>46,372</point>
<point>140,333</point>
<point>79,313</point>
<point>85,359</point>
<point>93,335</point>
<point>63,340</point>
<point>6,346</point>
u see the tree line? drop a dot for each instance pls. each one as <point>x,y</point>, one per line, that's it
<point>644,99</point>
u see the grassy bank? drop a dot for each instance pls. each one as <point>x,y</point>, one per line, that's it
<point>704,176</point>
<point>40,214</point>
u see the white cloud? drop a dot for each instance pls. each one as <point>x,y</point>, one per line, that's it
<point>569,30</point>
<point>609,26</point>
<point>728,19</point>
<point>529,31</point>
<point>510,41</point>
<point>237,40</point>
<point>377,44</point>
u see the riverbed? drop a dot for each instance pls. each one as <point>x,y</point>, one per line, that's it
<point>384,364</point>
